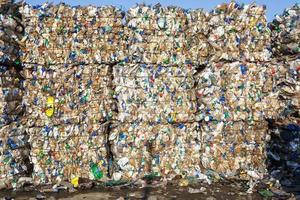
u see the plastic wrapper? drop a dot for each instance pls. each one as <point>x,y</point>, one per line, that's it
<point>155,93</point>
<point>79,94</point>
<point>286,32</point>
<point>59,34</point>
<point>64,152</point>
<point>142,148</point>
<point>239,32</point>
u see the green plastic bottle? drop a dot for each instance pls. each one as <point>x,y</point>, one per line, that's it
<point>98,174</point>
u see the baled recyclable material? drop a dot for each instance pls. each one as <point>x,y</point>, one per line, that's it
<point>64,152</point>
<point>286,32</point>
<point>284,152</point>
<point>197,33</point>
<point>14,148</point>
<point>156,34</point>
<point>166,35</point>
<point>11,30</point>
<point>68,109</point>
<point>239,32</point>
<point>165,150</point>
<point>60,34</point>
<point>234,101</point>
<point>155,93</point>
<point>156,121</point>
<point>238,91</point>
<point>175,150</point>
<point>289,87</point>
<point>64,94</point>
<point>283,148</point>
<point>233,149</point>
<point>163,91</point>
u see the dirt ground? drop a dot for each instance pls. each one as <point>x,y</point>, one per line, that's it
<point>207,192</point>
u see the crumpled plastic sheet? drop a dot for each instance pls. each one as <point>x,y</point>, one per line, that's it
<point>59,34</point>
<point>155,93</point>
<point>239,32</point>
<point>163,35</point>
<point>82,94</point>
<point>142,148</point>
<point>239,91</point>
<point>64,152</point>
<point>286,32</point>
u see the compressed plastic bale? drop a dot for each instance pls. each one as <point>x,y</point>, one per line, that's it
<point>14,150</point>
<point>166,150</point>
<point>197,34</point>
<point>11,107</point>
<point>239,32</point>
<point>61,153</point>
<point>235,149</point>
<point>285,29</point>
<point>156,35</point>
<point>80,93</point>
<point>239,91</point>
<point>175,150</point>
<point>11,31</point>
<point>144,93</point>
<point>289,87</point>
<point>129,144</point>
<point>58,34</point>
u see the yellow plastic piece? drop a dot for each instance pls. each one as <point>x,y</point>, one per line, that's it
<point>75,182</point>
<point>50,106</point>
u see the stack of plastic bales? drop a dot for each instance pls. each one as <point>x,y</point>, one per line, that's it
<point>239,32</point>
<point>63,34</point>
<point>233,116</point>
<point>235,97</point>
<point>284,148</point>
<point>68,93</point>
<point>14,151</point>
<point>156,130</point>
